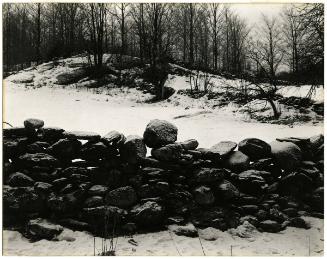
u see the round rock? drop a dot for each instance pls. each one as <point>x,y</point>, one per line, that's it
<point>254,148</point>
<point>287,155</point>
<point>159,132</point>
<point>33,123</point>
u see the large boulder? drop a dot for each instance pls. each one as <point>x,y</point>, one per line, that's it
<point>33,123</point>
<point>170,152</point>
<point>254,148</point>
<point>133,149</point>
<point>159,132</point>
<point>38,159</point>
<point>20,180</point>
<point>203,195</point>
<point>237,161</point>
<point>43,229</point>
<point>149,214</point>
<point>287,155</point>
<point>223,148</point>
<point>123,197</point>
<point>252,181</point>
<point>114,138</point>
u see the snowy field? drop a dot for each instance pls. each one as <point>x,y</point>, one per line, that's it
<point>103,110</point>
<point>237,242</point>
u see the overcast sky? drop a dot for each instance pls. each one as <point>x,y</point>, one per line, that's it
<point>252,12</point>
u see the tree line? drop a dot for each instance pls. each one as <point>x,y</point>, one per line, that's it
<point>211,37</point>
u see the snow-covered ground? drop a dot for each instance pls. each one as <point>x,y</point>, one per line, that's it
<point>290,242</point>
<point>102,110</point>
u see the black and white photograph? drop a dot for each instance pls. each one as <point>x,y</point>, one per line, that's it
<point>162,128</point>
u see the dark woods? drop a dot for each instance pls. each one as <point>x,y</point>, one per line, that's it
<point>210,37</point>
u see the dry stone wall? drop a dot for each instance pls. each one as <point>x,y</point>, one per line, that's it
<point>85,181</point>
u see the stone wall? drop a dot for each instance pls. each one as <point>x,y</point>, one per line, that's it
<point>87,182</point>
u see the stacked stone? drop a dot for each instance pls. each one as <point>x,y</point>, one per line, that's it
<point>87,182</point>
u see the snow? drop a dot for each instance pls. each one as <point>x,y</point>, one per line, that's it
<point>121,110</point>
<point>290,242</point>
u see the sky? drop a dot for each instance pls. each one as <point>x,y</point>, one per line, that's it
<point>253,12</point>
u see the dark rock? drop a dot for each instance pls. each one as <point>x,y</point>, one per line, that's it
<point>93,201</point>
<point>291,212</point>
<point>262,214</point>
<point>270,226</point>
<point>65,148</point>
<point>129,227</point>
<point>14,147</point>
<point>43,229</point>
<point>261,164</point>
<point>123,197</point>
<point>75,224</point>
<point>209,175</point>
<point>94,151</point>
<point>82,135</point>
<point>149,214</point>
<point>97,214</point>
<point>20,180</point>
<point>114,138</point>
<point>254,148</point>
<point>22,199</point>
<point>69,171</point>
<point>170,152</point>
<point>133,149</point>
<point>50,133</point>
<point>250,209</point>
<point>190,144</point>
<point>223,148</point>
<point>38,159</point>
<point>67,189</point>
<point>287,155</point>
<point>316,142</point>
<point>251,181</point>
<point>14,132</point>
<point>275,214</point>
<point>33,123</point>
<point>205,153</point>
<point>159,132</point>
<point>44,188</point>
<point>227,191</point>
<point>295,183</point>
<point>188,230</point>
<point>98,190</point>
<point>78,178</point>
<point>237,161</point>
<point>37,147</point>
<point>60,183</point>
<point>203,195</point>
<point>299,223</point>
